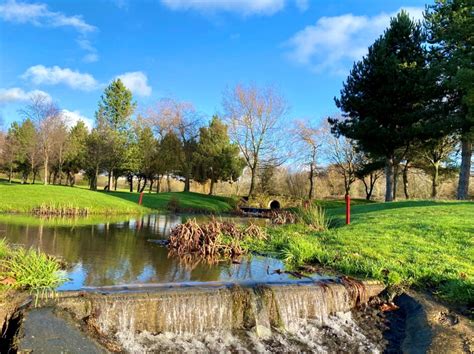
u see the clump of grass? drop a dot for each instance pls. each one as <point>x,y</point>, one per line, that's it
<point>31,270</point>
<point>51,209</point>
<point>283,217</point>
<point>313,216</point>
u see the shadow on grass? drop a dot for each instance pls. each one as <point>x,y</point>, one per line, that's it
<point>187,200</point>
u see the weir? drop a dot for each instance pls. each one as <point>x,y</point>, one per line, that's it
<point>121,313</point>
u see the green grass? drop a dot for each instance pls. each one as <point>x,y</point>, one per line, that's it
<point>29,269</point>
<point>187,201</point>
<point>339,203</point>
<point>18,198</point>
<point>423,244</point>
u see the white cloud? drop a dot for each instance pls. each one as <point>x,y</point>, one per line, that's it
<point>91,55</point>
<point>137,82</point>
<point>16,94</point>
<point>333,43</point>
<point>39,15</point>
<point>72,117</point>
<point>244,7</point>
<point>39,74</point>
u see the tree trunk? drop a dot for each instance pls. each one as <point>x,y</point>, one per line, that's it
<point>389,179</point>
<point>211,189</point>
<point>466,156</point>
<point>130,182</point>
<point>252,181</point>
<point>311,182</point>
<point>144,185</point>
<point>187,183</point>
<point>435,180</point>
<point>151,185</point>
<point>115,182</point>
<point>158,184</point>
<point>139,184</point>
<point>395,179</point>
<point>34,176</point>
<point>10,173</point>
<point>369,188</point>
<point>96,177</point>
<point>110,180</point>
<point>168,181</point>
<point>405,181</point>
<point>46,170</point>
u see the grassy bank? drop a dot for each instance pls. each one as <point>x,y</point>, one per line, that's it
<point>424,244</point>
<point>18,198</point>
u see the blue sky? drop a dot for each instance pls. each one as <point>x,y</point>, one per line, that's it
<point>190,50</point>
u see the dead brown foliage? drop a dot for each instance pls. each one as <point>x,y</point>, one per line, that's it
<point>211,239</point>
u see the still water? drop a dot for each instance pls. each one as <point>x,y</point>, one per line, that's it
<point>123,252</point>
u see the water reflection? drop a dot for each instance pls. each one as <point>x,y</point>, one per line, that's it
<point>120,253</point>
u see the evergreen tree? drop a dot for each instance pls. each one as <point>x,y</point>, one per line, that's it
<point>450,25</point>
<point>115,110</point>
<point>385,97</point>
<point>76,154</point>
<point>216,158</point>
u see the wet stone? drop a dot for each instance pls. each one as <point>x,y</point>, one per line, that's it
<point>44,332</point>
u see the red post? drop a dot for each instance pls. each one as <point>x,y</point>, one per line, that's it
<point>348,209</point>
<point>140,199</point>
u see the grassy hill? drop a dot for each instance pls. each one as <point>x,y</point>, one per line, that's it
<point>20,198</point>
<point>424,244</point>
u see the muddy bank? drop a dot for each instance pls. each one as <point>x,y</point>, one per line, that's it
<point>12,307</point>
<point>431,327</point>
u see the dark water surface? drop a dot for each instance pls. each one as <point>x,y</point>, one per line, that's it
<point>118,253</point>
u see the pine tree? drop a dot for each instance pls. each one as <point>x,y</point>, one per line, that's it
<point>216,158</point>
<point>385,97</point>
<point>115,110</point>
<point>450,25</point>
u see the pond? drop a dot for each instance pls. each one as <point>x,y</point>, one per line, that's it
<point>115,252</point>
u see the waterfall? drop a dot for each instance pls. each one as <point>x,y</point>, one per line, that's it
<point>225,317</point>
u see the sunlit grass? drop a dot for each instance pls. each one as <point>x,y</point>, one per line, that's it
<point>423,244</point>
<point>29,269</point>
<point>18,198</point>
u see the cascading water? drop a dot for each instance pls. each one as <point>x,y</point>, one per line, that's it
<point>313,316</point>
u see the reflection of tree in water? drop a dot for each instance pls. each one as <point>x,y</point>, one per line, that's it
<point>119,253</point>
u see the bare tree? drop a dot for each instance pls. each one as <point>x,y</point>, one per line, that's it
<point>308,140</point>
<point>433,155</point>
<point>48,120</point>
<point>368,170</point>
<point>254,116</point>
<point>59,153</point>
<point>341,153</point>
<point>181,119</point>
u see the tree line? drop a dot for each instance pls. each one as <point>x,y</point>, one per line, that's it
<point>168,142</point>
<point>406,105</point>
